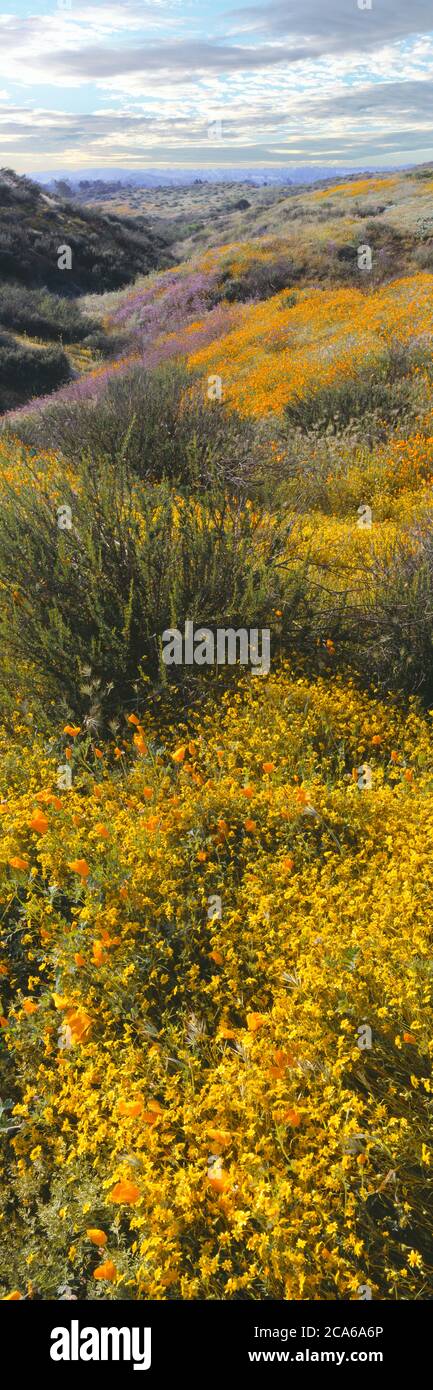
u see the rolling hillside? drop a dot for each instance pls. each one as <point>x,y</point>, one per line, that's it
<point>216,876</point>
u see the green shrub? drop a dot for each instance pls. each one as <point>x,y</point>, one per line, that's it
<point>260,280</point>
<point>383,397</point>
<point>392,642</point>
<point>26,371</point>
<point>162,422</point>
<point>136,561</point>
<point>43,315</point>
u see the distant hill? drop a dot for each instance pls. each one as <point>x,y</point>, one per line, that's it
<point>107,251</point>
<point>175,178</point>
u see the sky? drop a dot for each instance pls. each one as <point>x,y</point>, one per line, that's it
<point>198,83</point>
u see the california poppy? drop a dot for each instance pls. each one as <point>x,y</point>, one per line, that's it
<point>39,822</point>
<point>217,1178</point>
<point>130,1107</point>
<point>255,1021</point>
<point>105,1271</point>
<point>96,1236</point>
<point>78,1023</point>
<point>124,1191</point>
<point>140,743</point>
<point>79,866</point>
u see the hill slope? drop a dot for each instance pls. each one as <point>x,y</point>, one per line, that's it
<point>107,251</point>
<point>216,879</point>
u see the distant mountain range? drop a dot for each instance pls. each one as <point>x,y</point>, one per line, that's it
<point>163,178</point>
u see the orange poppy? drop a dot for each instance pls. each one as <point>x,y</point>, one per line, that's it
<point>79,866</point>
<point>255,1021</point>
<point>17,863</point>
<point>39,822</point>
<point>49,799</point>
<point>222,1137</point>
<point>125,1191</point>
<point>106,1271</point>
<point>96,1236</point>
<point>140,743</point>
<point>217,1178</point>
<point>130,1107</point>
<point>153,1112</point>
<point>78,1023</point>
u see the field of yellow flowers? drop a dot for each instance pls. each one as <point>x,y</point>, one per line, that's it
<point>216,933</point>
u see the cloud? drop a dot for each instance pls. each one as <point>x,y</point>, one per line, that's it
<point>182,60</point>
<point>290,79</point>
<point>336,26</point>
<point>373,122</point>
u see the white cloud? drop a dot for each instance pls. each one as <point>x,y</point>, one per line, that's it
<point>312,76</point>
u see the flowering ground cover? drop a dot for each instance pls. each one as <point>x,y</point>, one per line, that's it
<point>216,894</point>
